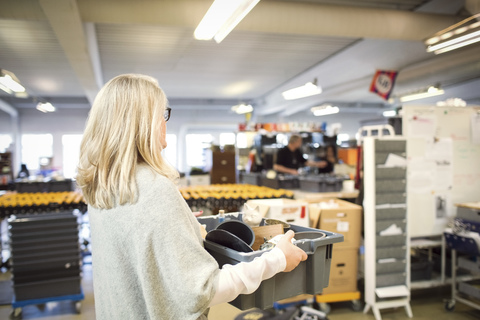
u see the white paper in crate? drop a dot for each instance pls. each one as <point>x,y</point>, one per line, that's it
<point>290,211</point>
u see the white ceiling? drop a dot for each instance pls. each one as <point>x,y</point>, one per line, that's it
<point>64,51</point>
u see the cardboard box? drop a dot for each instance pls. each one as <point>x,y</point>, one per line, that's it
<point>343,270</point>
<point>345,218</point>
<point>290,211</point>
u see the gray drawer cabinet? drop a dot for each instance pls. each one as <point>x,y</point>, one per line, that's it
<point>387,252</point>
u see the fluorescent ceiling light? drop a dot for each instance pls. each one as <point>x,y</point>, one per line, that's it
<point>9,83</point>
<point>45,107</point>
<point>389,113</point>
<point>431,92</point>
<point>242,108</point>
<point>222,17</point>
<point>324,110</point>
<point>452,102</point>
<point>459,35</point>
<point>307,90</point>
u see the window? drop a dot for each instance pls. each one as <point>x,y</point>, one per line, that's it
<point>35,147</point>
<point>242,140</point>
<point>282,139</point>
<point>71,154</point>
<point>227,138</point>
<point>197,146</point>
<point>170,152</point>
<point>5,141</point>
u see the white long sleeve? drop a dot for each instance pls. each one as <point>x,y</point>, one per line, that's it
<point>245,277</point>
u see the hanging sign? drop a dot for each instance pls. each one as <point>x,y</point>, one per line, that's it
<point>382,83</point>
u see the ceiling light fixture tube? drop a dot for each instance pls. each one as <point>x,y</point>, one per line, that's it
<point>324,110</point>
<point>45,107</point>
<point>389,113</point>
<point>222,17</point>
<point>307,90</point>
<point>9,83</point>
<point>431,92</point>
<point>455,43</point>
<point>242,108</point>
<point>461,34</point>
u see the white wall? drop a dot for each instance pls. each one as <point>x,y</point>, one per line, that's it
<point>5,123</point>
<point>63,121</point>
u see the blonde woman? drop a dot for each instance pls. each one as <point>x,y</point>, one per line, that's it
<point>148,255</point>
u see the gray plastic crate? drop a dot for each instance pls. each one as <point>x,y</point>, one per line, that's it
<point>310,277</point>
<point>281,182</point>
<point>252,178</point>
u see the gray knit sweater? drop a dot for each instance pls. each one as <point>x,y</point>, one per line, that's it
<point>148,257</point>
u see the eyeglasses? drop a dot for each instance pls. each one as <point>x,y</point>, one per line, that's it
<point>166,115</point>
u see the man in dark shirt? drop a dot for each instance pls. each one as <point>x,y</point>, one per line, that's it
<point>290,159</point>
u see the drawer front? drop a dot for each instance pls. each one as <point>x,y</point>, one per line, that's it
<point>395,252</point>
<point>391,214</point>
<point>391,279</point>
<point>391,198</point>
<point>390,173</point>
<point>381,225</point>
<point>390,145</point>
<point>398,266</point>
<point>381,157</point>
<point>391,241</point>
<point>391,185</point>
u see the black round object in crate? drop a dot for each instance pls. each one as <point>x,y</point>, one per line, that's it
<point>239,229</point>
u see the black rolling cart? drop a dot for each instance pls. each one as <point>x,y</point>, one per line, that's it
<point>45,260</point>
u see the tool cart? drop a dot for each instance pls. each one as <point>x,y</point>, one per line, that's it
<point>45,260</point>
<point>463,236</point>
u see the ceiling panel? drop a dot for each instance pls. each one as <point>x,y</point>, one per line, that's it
<point>32,52</point>
<point>245,65</point>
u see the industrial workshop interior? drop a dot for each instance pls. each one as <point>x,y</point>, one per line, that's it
<point>311,159</point>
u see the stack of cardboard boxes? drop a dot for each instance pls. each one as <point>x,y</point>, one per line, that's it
<point>346,218</point>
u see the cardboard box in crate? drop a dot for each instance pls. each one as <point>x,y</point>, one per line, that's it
<point>288,210</point>
<point>345,218</point>
<point>310,277</point>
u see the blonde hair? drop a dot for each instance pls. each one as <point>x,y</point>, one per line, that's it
<point>124,128</point>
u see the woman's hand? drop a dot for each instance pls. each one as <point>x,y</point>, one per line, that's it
<point>293,254</point>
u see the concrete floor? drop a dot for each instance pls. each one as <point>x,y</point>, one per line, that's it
<point>426,305</point>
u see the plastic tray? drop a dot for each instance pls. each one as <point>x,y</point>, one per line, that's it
<point>44,289</point>
<point>310,277</point>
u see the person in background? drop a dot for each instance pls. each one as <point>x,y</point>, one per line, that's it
<point>290,158</point>
<point>23,173</point>
<point>148,256</point>
<point>330,158</point>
